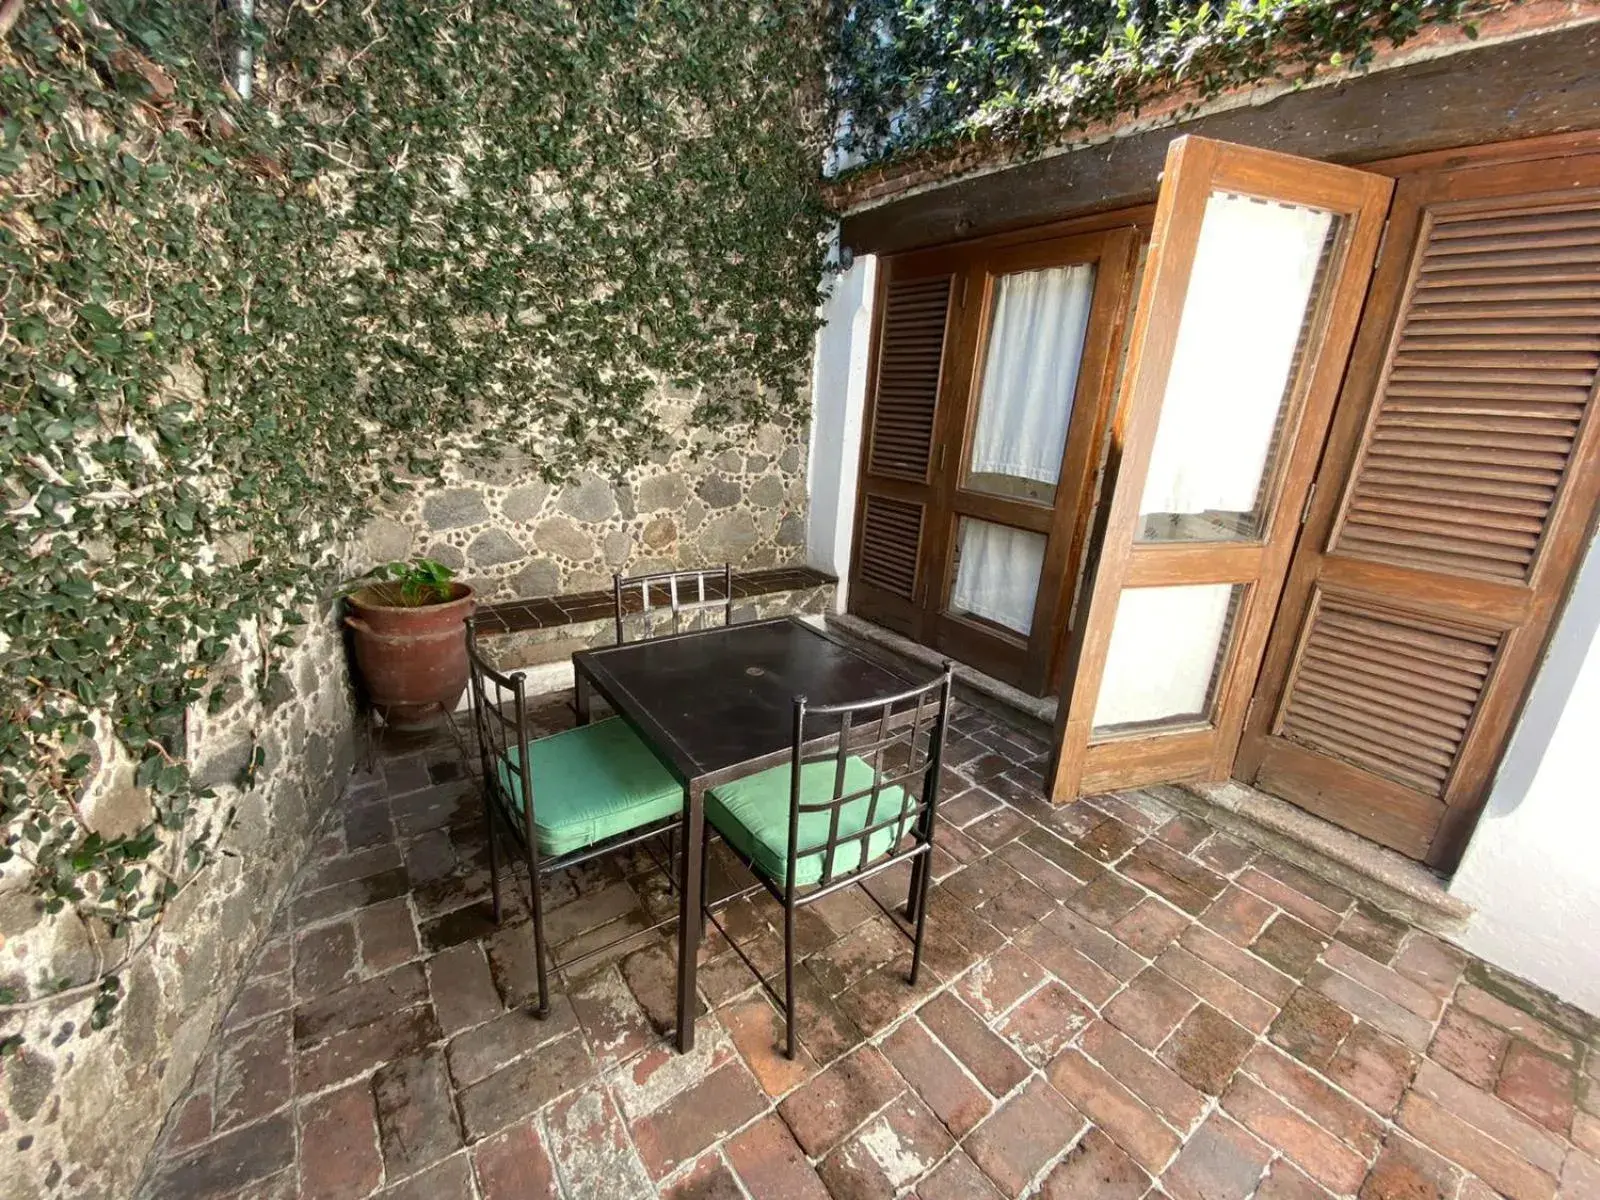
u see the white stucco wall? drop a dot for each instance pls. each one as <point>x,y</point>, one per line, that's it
<point>838,397</point>
<point>1532,870</point>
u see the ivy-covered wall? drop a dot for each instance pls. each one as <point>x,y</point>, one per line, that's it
<point>553,258</point>
<point>924,77</point>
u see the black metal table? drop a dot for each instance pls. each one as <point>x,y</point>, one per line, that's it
<point>716,704</point>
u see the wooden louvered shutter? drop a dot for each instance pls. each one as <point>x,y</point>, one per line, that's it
<point>892,518</point>
<point>1468,484</point>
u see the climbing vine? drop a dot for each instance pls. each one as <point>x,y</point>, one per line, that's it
<point>226,326</point>
<point>916,74</point>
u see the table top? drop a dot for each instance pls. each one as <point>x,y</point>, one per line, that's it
<point>715,701</point>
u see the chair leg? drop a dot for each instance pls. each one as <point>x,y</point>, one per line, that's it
<point>788,980</point>
<point>921,880</point>
<point>914,894</point>
<point>494,860</point>
<point>538,936</point>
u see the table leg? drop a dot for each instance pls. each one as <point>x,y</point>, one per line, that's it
<point>580,696</point>
<point>694,819</point>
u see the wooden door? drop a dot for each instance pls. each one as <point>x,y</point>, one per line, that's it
<point>1040,329</point>
<point>888,571</point>
<point>1457,492</point>
<point>931,407</point>
<point>1250,299</point>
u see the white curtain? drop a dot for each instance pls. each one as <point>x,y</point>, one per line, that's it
<point>1165,643</point>
<point>1248,294</point>
<point>997,574</point>
<point>1031,372</point>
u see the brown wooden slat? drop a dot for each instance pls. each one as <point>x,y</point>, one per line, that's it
<point>911,355</point>
<point>1460,683</point>
<point>1389,692</point>
<point>1465,503</point>
<point>1439,518</point>
<point>1382,549</point>
<point>1436,647</point>
<point>890,533</point>
<point>1389,679</point>
<point>1380,735</point>
<point>1440,718</point>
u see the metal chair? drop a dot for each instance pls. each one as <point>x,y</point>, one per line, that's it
<point>854,800</point>
<point>692,594</point>
<point>565,798</point>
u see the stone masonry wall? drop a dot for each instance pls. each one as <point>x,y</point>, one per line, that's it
<point>513,536</point>
<point>80,1108</point>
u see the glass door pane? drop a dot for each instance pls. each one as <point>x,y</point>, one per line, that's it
<point>997,573</point>
<point>1168,645</point>
<point>1230,392</point>
<point>1030,372</point>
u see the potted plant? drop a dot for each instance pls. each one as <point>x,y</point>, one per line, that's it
<point>408,625</point>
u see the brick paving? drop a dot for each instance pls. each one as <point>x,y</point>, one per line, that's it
<point>1122,1002</point>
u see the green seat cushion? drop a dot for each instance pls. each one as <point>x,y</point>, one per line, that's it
<point>753,814</point>
<point>591,783</point>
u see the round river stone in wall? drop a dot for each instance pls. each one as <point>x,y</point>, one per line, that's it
<point>618,546</point>
<point>444,552</point>
<point>767,492</point>
<point>541,577</point>
<point>728,537</point>
<point>454,508</point>
<point>564,538</point>
<point>719,491</point>
<point>590,499</point>
<point>523,503</point>
<point>493,548</point>
<point>792,531</point>
<point>659,532</point>
<point>662,491</point>
<point>385,540</point>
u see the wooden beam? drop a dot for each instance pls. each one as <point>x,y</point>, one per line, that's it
<point>1543,84</point>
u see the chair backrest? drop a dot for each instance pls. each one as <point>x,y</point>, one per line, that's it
<point>901,737</point>
<point>691,597</point>
<point>506,778</point>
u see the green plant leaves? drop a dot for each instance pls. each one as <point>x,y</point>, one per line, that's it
<point>909,76</point>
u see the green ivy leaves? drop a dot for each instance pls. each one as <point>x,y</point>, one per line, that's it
<point>910,75</point>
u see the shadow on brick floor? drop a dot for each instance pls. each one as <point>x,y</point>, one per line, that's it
<point>1122,1001</point>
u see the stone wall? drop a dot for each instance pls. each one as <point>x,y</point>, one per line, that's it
<point>80,1108</point>
<point>513,536</point>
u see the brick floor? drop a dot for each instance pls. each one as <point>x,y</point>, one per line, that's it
<point>1122,1002</point>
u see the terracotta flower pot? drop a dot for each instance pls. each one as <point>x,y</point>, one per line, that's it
<point>412,659</point>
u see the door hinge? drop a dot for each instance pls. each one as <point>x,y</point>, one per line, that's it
<point>920,593</point>
<point>939,464</point>
<point>1311,496</point>
<point>961,301</point>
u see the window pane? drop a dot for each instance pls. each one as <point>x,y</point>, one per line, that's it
<point>1230,400</point>
<point>1029,376</point>
<point>997,573</point>
<point>1168,645</point>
